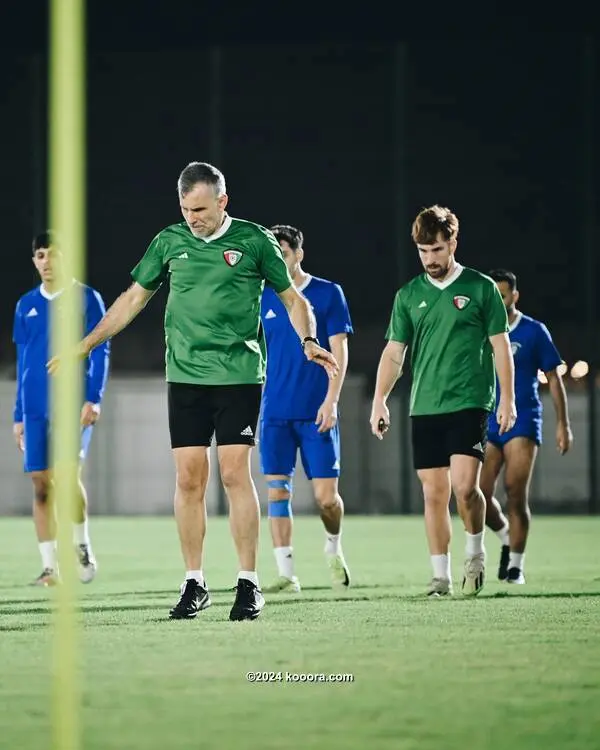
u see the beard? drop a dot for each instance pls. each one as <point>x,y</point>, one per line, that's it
<point>437,271</point>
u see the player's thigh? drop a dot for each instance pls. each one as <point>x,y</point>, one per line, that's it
<point>492,465</point>
<point>428,436</point>
<point>36,445</point>
<point>191,422</point>
<point>277,447</point>
<point>319,451</point>
<point>466,441</point>
<point>236,410</point>
<point>519,458</point>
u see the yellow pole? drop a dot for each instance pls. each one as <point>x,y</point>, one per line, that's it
<point>67,219</point>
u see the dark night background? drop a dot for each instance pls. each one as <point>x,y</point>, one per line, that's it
<point>345,136</point>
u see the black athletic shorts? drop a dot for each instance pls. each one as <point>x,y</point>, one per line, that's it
<point>436,437</point>
<point>197,412</point>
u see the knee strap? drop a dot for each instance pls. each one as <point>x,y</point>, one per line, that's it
<point>280,508</point>
<point>280,484</point>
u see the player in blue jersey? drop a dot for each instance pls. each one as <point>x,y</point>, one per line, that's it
<point>533,351</point>
<point>300,413</point>
<point>31,336</point>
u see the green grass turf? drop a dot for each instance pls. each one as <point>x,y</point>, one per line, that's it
<point>516,668</point>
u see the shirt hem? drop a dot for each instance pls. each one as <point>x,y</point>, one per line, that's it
<point>180,380</point>
<point>440,412</point>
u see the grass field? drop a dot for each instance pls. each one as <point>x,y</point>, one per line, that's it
<point>516,668</point>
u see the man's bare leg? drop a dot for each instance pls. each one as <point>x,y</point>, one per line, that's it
<point>494,517</point>
<point>470,502</point>
<point>438,526</point>
<point>519,455</point>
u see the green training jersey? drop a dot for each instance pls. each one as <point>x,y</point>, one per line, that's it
<point>213,333</point>
<point>447,325</point>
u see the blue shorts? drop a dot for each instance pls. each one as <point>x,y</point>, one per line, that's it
<point>281,439</point>
<point>528,425</point>
<point>36,441</point>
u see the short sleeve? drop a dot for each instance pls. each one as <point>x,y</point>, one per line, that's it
<point>549,358</point>
<point>271,263</point>
<point>495,316</point>
<point>400,327</point>
<point>152,269</point>
<point>338,317</point>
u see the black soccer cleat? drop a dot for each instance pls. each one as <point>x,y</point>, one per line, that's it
<point>249,601</point>
<point>503,566</point>
<point>194,598</point>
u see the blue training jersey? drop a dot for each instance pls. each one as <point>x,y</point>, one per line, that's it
<point>295,388</point>
<point>31,335</point>
<point>533,350</point>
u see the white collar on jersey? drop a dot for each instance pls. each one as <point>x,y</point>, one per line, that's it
<point>446,282</point>
<point>305,283</point>
<point>515,322</point>
<point>51,295</point>
<point>220,231</point>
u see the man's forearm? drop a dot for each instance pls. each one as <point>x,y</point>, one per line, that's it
<point>117,317</point>
<point>388,372</point>
<point>559,399</point>
<point>505,369</point>
<point>336,383</point>
<point>302,318</point>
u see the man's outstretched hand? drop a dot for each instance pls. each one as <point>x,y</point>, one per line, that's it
<point>53,365</point>
<point>316,353</point>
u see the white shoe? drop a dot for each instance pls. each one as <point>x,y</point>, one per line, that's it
<point>474,576</point>
<point>340,574</point>
<point>284,585</point>
<point>439,587</point>
<point>88,567</point>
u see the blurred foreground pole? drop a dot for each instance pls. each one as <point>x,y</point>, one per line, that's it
<point>591,264</point>
<point>402,249</point>
<point>67,218</point>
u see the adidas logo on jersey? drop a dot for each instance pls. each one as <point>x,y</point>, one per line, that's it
<point>32,313</point>
<point>183,256</point>
<point>247,432</point>
<point>336,466</point>
<point>423,304</point>
<point>270,315</point>
<point>478,447</point>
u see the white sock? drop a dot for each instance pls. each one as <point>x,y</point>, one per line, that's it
<point>48,554</point>
<point>81,534</point>
<point>516,560</point>
<point>502,535</point>
<point>195,575</point>
<point>332,543</point>
<point>441,566</point>
<point>249,575</point>
<point>285,561</point>
<point>474,545</point>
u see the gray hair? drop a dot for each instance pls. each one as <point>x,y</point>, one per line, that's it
<point>200,171</point>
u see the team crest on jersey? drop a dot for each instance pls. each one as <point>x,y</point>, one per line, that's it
<point>515,346</point>
<point>232,257</point>
<point>460,301</point>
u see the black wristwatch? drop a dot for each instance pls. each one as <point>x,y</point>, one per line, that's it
<point>309,338</point>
